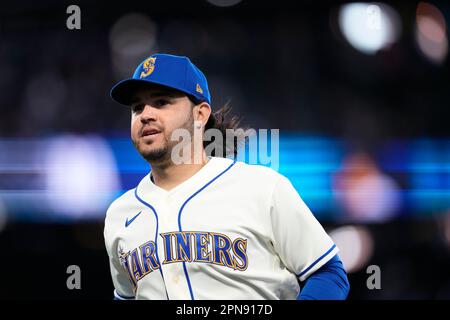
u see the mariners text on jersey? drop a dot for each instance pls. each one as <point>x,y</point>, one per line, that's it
<point>204,247</point>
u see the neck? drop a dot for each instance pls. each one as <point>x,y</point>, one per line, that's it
<point>169,175</point>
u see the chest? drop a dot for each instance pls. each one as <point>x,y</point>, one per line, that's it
<point>213,227</point>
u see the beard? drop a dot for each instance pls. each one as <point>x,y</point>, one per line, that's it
<point>155,155</point>
<point>163,153</point>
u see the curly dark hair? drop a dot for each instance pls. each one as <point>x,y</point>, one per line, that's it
<point>228,125</point>
<point>232,135</point>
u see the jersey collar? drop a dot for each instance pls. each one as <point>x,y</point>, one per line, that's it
<point>146,189</point>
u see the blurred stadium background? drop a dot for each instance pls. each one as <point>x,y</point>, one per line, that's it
<point>359,91</point>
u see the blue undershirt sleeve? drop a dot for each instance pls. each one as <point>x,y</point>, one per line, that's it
<point>330,282</point>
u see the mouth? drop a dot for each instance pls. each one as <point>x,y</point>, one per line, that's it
<point>150,132</point>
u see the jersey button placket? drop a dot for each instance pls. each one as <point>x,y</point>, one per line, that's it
<point>176,280</point>
<point>162,217</point>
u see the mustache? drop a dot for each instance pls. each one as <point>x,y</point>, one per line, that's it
<point>150,127</point>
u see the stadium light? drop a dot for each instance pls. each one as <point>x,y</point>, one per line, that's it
<point>369,27</point>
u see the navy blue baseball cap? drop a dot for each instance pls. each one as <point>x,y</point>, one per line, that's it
<point>177,72</point>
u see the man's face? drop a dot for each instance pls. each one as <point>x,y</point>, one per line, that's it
<point>155,113</point>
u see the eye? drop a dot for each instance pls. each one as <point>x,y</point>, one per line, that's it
<point>161,102</point>
<point>136,108</point>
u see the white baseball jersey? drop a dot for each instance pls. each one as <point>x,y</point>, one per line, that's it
<point>231,231</point>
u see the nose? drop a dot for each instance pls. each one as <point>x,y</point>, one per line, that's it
<point>148,114</point>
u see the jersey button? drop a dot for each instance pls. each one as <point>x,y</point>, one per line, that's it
<point>176,279</point>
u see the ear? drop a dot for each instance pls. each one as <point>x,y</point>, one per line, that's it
<point>202,112</point>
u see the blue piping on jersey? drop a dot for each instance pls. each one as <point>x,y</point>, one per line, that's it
<point>156,234</point>
<point>315,262</point>
<point>120,297</point>
<point>179,221</point>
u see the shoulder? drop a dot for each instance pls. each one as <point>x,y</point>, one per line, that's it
<point>258,177</point>
<point>258,173</point>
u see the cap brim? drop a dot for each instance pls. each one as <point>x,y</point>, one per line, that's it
<point>124,90</point>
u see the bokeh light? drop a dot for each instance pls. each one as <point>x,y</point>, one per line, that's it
<point>224,3</point>
<point>355,245</point>
<point>43,108</point>
<point>81,176</point>
<point>132,38</point>
<point>365,193</point>
<point>430,32</point>
<point>369,27</point>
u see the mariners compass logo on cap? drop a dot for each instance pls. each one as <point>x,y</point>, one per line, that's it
<point>148,66</point>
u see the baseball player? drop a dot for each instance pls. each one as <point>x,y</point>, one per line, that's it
<point>213,228</point>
